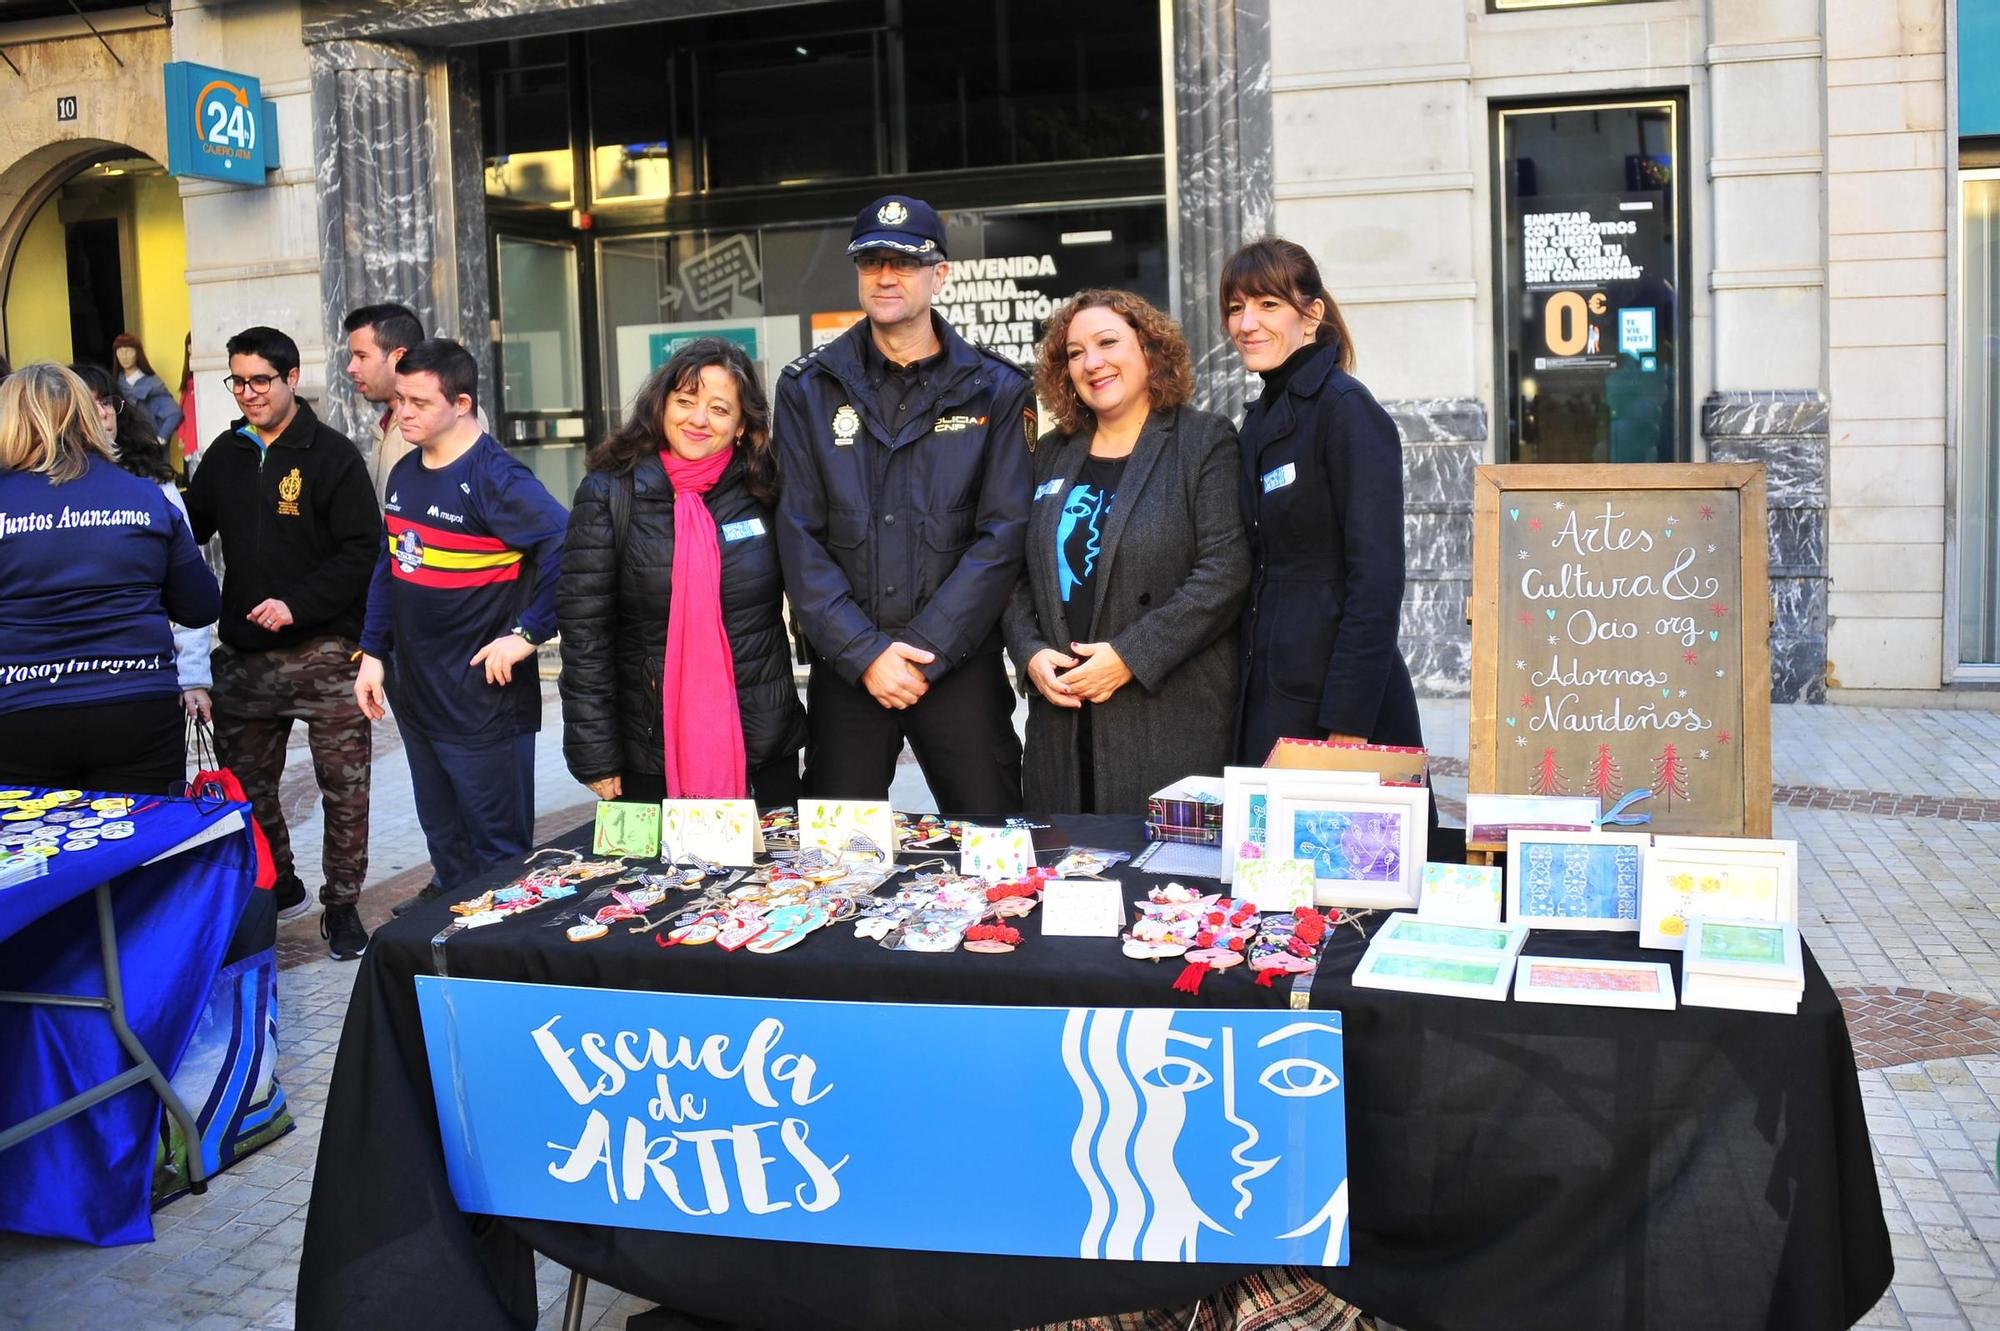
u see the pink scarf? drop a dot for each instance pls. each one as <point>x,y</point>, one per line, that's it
<point>698,709</point>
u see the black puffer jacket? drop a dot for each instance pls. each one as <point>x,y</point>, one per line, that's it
<point>613,615</point>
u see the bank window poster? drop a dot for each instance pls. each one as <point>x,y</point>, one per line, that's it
<point>1622,647</point>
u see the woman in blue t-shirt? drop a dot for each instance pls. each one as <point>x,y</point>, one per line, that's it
<point>94,562</point>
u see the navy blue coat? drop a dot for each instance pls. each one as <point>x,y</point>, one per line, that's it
<point>1322,496</point>
<point>911,534</point>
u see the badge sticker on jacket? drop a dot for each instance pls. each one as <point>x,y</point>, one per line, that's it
<point>289,490</point>
<point>1049,488</point>
<point>1280,477</point>
<point>846,424</point>
<point>744,530</point>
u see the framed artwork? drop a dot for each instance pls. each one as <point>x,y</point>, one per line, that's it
<point>626,830</point>
<point>1450,974</point>
<point>1745,948</point>
<point>1489,818</point>
<point>864,829</point>
<point>1415,931</point>
<point>1734,878</point>
<point>1246,807</point>
<point>1471,893</point>
<point>719,831</point>
<point>1581,982</point>
<point>1366,843</point>
<point>1575,880</point>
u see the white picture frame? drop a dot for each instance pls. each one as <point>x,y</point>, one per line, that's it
<point>1385,872</point>
<point>1246,794</point>
<point>1446,974</point>
<point>1755,880</point>
<point>1588,982</point>
<point>1489,817</point>
<point>1540,892</point>
<point>1427,934</point>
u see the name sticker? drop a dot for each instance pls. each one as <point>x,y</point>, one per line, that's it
<point>744,530</point>
<point>1048,488</point>
<point>1280,477</point>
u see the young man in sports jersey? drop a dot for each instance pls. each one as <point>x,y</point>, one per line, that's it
<point>462,593</point>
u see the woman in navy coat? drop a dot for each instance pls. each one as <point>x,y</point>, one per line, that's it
<point>1322,495</point>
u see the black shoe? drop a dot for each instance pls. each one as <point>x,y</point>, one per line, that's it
<point>291,897</point>
<point>432,891</point>
<point>341,927</point>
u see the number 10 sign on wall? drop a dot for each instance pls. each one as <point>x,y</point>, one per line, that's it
<point>218,125</point>
<point>1621,640</point>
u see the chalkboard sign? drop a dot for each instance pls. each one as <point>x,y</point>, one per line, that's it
<point>1621,640</point>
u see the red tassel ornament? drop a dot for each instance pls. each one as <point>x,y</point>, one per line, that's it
<point>1191,977</point>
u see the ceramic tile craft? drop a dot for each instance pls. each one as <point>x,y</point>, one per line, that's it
<point>1366,843</point>
<point>996,853</point>
<point>718,831</point>
<point>1473,893</point>
<point>1575,880</point>
<point>629,831</point>
<point>859,828</point>
<point>1735,878</point>
<point>1581,982</point>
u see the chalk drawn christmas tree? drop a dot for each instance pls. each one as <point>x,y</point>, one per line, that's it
<point>1549,778</point>
<point>1606,781</point>
<point>1670,776</point>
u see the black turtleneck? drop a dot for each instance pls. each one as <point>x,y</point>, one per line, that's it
<point>1276,379</point>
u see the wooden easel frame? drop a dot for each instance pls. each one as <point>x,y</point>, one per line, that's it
<point>1753,620</point>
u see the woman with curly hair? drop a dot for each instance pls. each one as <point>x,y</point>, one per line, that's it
<point>677,672</point>
<point>1124,621</point>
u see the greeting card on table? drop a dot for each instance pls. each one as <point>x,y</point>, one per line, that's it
<point>996,853</point>
<point>719,831</point>
<point>861,828</point>
<point>626,831</point>
<point>1082,908</point>
<point>1468,892</point>
<point>1275,884</point>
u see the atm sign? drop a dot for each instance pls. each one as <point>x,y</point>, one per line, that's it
<point>215,124</point>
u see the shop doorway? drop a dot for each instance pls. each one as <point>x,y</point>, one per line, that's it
<point>103,253</point>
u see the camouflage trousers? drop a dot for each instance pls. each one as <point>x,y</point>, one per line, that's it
<point>257,697</point>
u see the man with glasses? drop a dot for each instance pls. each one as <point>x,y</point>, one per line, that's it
<point>300,532</point>
<point>901,527</point>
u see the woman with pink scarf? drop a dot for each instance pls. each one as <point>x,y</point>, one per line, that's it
<point>677,670</point>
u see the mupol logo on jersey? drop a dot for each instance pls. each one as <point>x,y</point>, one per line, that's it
<point>957,424</point>
<point>289,491</point>
<point>436,512</point>
<point>408,550</point>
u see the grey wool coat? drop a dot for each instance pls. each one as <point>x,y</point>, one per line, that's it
<point>1170,583</point>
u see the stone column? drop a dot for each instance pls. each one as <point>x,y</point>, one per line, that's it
<point>1786,430</point>
<point>376,153</point>
<point>1443,440</point>
<point>1222,120</point>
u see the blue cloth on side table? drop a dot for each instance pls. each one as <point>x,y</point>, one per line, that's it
<point>89,1176</point>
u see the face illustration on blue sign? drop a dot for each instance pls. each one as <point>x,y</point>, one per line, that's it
<point>1161,1090</point>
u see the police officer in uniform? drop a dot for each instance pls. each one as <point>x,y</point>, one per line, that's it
<point>902,521</point>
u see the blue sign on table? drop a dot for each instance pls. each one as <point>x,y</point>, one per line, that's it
<point>1156,1134</point>
<point>218,125</point>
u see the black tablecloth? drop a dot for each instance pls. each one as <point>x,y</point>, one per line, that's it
<point>1511,1164</point>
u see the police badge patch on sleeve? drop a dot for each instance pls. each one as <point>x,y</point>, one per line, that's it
<point>1030,427</point>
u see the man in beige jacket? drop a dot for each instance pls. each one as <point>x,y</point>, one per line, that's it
<point>377,337</point>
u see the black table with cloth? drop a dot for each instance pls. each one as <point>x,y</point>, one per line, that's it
<point>1511,1164</point>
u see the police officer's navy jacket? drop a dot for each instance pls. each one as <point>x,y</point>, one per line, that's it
<point>910,532</point>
